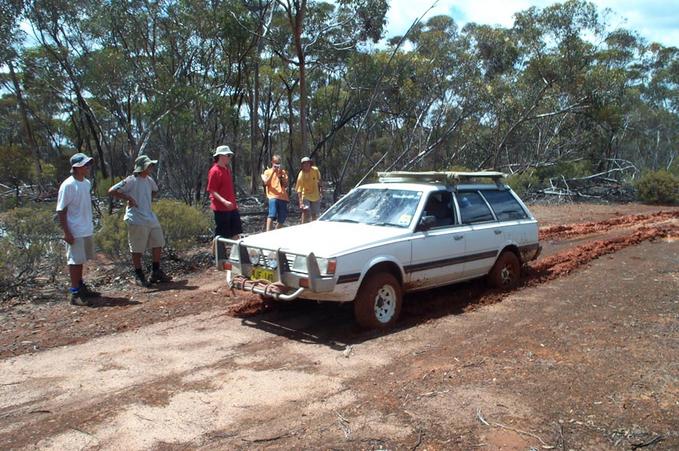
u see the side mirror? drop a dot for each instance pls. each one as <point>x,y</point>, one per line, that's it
<point>426,222</point>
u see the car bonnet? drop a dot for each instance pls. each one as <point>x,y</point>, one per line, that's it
<point>325,238</point>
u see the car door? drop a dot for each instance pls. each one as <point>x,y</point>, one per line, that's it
<point>438,253</point>
<point>482,238</point>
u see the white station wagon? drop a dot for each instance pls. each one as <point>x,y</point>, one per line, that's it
<point>411,231</point>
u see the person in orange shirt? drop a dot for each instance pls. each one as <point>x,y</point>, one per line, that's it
<point>275,181</point>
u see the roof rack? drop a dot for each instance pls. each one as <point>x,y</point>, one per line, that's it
<point>447,177</point>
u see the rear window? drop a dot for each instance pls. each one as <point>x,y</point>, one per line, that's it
<point>504,205</point>
<point>473,208</point>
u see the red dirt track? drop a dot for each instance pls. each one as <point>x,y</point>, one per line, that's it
<point>581,355</point>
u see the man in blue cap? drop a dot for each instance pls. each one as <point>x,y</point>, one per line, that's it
<point>143,228</point>
<point>74,209</point>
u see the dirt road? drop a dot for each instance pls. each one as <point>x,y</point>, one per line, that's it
<point>582,356</point>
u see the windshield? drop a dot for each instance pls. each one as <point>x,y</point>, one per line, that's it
<point>384,207</point>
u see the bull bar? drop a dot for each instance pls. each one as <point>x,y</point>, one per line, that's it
<point>286,278</point>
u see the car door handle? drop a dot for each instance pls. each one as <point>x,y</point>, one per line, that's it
<point>497,232</point>
<point>458,237</point>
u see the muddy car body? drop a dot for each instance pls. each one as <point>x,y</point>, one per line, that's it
<point>410,231</point>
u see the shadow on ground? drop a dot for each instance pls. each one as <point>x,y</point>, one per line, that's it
<point>333,325</point>
<point>107,301</point>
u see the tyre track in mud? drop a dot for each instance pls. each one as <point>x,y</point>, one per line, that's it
<point>562,232</point>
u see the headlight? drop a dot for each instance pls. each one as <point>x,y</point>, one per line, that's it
<point>254,256</point>
<point>299,265</point>
<point>263,257</point>
<point>233,254</point>
<point>326,266</point>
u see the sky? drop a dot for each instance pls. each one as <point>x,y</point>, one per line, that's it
<point>654,20</point>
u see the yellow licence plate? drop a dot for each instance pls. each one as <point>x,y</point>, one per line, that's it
<point>262,273</point>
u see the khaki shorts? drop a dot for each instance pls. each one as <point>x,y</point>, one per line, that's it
<point>141,237</point>
<point>80,251</point>
<point>314,207</point>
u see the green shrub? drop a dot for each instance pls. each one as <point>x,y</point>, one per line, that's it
<point>182,225</point>
<point>103,184</point>
<point>565,169</point>
<point>30,246</point>
<point>659,187</point>
<point>674,168</point>
<point>111,238</point>
<point>523,182</point>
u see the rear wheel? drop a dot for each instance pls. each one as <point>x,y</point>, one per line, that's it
<point>379,300</point>
<point>506,272</point>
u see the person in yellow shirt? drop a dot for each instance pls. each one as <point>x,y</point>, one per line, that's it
<point>309,190</point>
<point>275,180</point>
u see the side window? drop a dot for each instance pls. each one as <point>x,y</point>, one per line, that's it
<point>504,205</point>
<point>473,208</point>
<point>440,205</point>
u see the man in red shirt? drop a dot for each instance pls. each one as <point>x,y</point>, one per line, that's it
<point>223,196</point>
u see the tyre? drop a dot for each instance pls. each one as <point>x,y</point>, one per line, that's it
<point>506,272</point>
<point>379,300</point>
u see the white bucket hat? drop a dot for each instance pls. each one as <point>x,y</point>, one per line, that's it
<point>222,150</point>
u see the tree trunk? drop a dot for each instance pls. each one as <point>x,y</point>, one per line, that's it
<point>27,124</point>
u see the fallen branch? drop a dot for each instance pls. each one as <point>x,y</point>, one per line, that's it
<point>419,441</point>
<point>479,415</point>
<point>344,425</point>
<point>653,441</point>
<point>267,439</point>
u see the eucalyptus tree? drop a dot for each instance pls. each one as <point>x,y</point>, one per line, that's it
<point>658,124</point>
<point>57,28</point>
<point>437,87</point>
<point>533,75</point>
<point>316,34</point>
<point>10,37</point>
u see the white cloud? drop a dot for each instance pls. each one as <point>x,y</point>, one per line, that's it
<point>654,20</point>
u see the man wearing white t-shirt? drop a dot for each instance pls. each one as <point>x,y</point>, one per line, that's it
<point>74,209</point>
<point>143,228</point>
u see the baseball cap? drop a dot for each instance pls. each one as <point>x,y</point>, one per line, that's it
<point>305,159</point>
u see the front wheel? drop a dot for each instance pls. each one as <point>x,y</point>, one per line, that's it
<point>506,272</point>
<point>379,300</point>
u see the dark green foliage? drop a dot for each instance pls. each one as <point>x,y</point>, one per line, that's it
<point>111,238</point>
<point>30,245</point>
<point>565,169</point>
<point>182,224</point>
<point>523,182</point>
<point>659,187</point>
<point>175,79</point>
<point>183,227</point>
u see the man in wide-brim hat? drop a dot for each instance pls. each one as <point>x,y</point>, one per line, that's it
<point>223,196</point>
<point>143,228</point>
